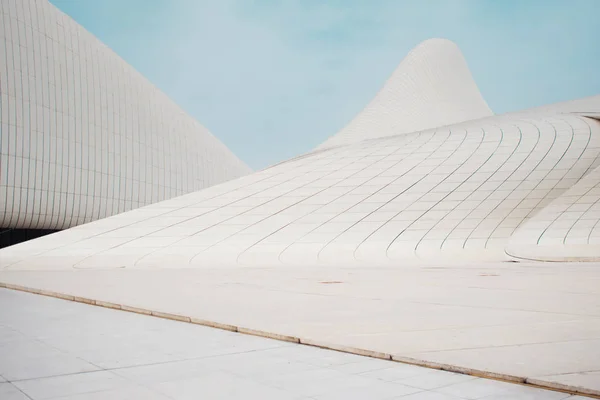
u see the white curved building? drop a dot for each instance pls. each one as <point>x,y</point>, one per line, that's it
<point>424,174</point>
<point>83,135</point>
<point>431,87</point>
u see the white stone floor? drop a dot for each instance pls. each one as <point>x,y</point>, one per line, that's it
<point>57,349</point>
<point>534,321</point>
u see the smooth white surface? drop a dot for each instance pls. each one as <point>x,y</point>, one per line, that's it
<point>320,246</point>
<point>528,320</point>
<point>383,194</point>
<point>85,136</point>
<point>383,191</point>
<point>432,87</point>
<point>567,229</point>
<point>452,194</point>
<point>129,356</point>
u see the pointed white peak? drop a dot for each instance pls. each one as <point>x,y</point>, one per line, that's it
<point>431,87</point>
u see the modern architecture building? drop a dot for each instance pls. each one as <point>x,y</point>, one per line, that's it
<point>83,135</point>
<point>426,172</point>
<point>419,233</point>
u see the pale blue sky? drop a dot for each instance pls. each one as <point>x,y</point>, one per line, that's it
<point>273,79</point>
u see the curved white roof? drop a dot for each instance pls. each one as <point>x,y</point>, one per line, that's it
<point>84,135</point>
<point>432,87</point>
<point>566,229</point>
<point>386,191</point>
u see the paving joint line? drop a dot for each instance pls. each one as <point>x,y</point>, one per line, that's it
<point>530,382</point>
<point>116,369</point>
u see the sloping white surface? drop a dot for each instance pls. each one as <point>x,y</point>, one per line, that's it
<point>586,106</point>
<point>85,136</point>
<point>47,342</point>
<point>567,230</point>
<point>431,87</point>
<point>450,194</point>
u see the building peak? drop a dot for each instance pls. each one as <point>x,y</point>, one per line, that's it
<point>431,87</point>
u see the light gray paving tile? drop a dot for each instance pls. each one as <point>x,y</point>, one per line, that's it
<point>228,347</point>
<point>258,365</point>
<point>123,393</point>
<point>396,372</point>
<point>165,372</point>
<point>485,388</point>
<point>37,367</point>
<point>24,346</point>
<point>587,379</point>
<point>361,388</point>
<point>8,335</point>
<point>220,385</point>
<point>427,395</point>
<point>433,379</point>
<point>126,355</point>
<point>10,392</point>
<point>332,358</point>
<point>367,364</point>
<point>305,383</point>
<point>523,392</point>
<point>72,384</point>
<point>290,371</point>
<point>541,395</point>
<point>475,389</point>
<point>297,352</point>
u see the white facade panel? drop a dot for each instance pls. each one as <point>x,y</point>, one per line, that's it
<point>431,87</point>
<point>568,229</point>
<point>85,136</point>
<point>452,194</point>
<point>379,193</point>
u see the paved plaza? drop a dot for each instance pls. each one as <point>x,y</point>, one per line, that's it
<point>426,245</point>
<point>57,349</point>
<point>538,323</point>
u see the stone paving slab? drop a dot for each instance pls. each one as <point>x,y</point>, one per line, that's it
<point>590,379</point>
<point>140,357</point>
<point>513,321</point>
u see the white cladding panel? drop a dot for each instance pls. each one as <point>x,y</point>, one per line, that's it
<point>382,192</point>
<point>454,194</point>
<point>432,87</point>
<point>85,136</point>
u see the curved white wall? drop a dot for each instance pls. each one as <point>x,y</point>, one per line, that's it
<point>432,87</point>
<point>470,191</point>
<point>83,135</point>
<point>567,230</point>
<point>442,195</point>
